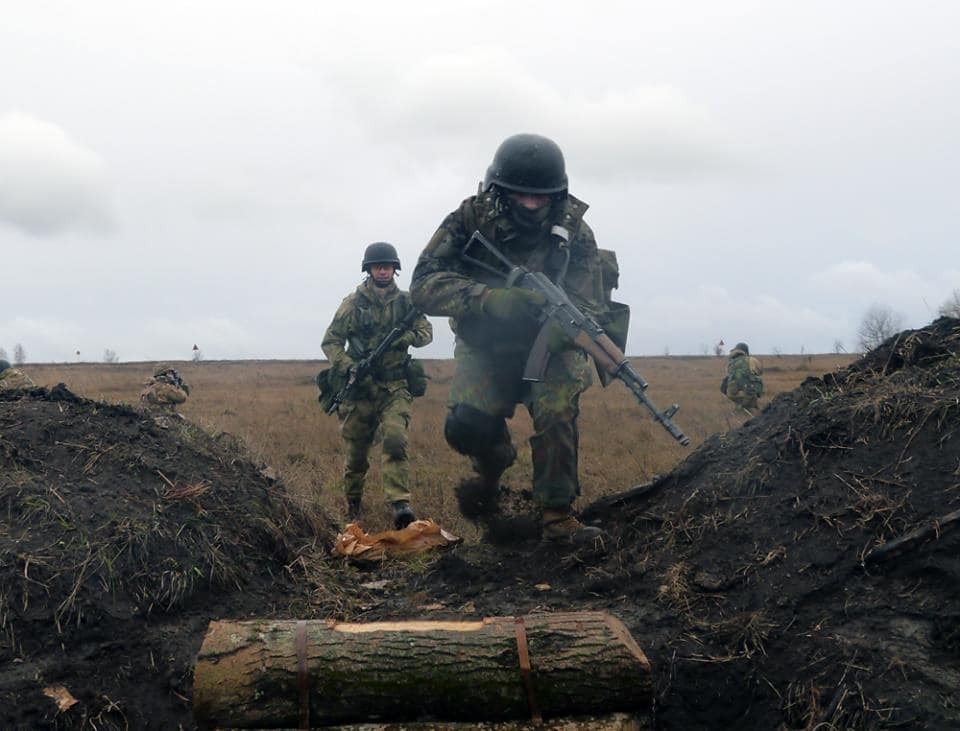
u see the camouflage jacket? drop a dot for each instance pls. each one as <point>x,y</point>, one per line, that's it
<point>743,375</point>
<point>13,378</point>
<point>363,320</point>
<point>169,377</point>
<point>443,284</point>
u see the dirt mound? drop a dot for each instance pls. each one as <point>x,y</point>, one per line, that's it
<point>764,575</point>
<point>123,534</point>
<point>800,572</point>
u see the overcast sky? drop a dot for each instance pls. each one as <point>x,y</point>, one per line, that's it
<point>210,172</point>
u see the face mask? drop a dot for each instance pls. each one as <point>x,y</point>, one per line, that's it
<point>526,219</point>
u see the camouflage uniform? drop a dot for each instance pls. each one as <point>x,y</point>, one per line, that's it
<point>379,407</point>
<point>490,354</point>
<point>743,384</point>
<point>165,390</point>
<point>14,378</point>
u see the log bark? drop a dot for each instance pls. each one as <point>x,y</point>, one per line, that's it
<point>612,722</point>
<point>289,673</point>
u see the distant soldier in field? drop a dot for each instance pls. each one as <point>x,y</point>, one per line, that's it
<point>523,207</point>
<point>13,378</point>
<point>379,405</point>
<point>743,383</point>
<point>165,390</point>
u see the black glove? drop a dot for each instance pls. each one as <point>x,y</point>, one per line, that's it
<point>512,303</point>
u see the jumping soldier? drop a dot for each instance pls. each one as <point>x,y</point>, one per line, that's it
<point>524,209</point>
<point>378,407</point>
<point>743,384</point>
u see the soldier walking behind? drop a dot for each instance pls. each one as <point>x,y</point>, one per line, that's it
<point>523,208</point>
<point>378,407</point>
<point>743,384</point>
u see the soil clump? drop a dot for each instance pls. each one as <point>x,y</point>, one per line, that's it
<point>123,534</point>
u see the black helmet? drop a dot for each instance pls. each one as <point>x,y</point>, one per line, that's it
<point>380,253</point>
<point>4,364</point>
<point>527,163</point>
<point>742,347</point>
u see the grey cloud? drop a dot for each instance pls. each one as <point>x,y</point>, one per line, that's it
<point>49,183</point>
<point>447,103</point>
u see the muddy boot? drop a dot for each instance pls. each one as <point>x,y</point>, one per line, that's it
<point>478,497</point>
<point>353,508</point>
<point>561,526</point>
<point>402,515</point>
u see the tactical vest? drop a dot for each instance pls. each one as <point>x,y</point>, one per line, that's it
<point>368,328</point>
<point>740,373</point>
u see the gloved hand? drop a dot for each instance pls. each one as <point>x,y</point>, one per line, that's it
<point>512,303</point>
<point>403,341</point>
<point>344,364</point>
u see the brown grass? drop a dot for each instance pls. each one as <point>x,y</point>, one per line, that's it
<point>272,407</point>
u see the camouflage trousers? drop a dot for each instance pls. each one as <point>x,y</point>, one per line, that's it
<point>382,415</point>
<point>742,398</point>
<point>162,396</point>
<point>489,386</point>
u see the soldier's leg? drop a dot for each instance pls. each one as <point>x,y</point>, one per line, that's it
<point>394,422</point>
<point>483,395</point>
<point>554,405</point>
<point>356,430</point>
<point>744,400</point>
<point>482,437</point>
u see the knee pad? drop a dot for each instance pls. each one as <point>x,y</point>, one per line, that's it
<point>395,446</point>
<point>472,432</point>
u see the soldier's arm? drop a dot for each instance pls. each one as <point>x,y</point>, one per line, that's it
<point>421,332</point>
<point>440,287</point>
<point>335,338</point>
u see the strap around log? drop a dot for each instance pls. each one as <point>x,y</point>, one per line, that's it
<point>525,670</point>
<point>303,680</point>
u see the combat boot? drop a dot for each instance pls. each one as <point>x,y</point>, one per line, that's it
<point>402,515</point>
<point>562,526</point>
<point>353,508</point>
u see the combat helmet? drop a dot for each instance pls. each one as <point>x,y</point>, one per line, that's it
<point>742,347</point>
<point>380,252</point>
<point>527,163</point>
<point>4,365</point>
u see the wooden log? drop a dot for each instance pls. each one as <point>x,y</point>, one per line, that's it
<point>290,673</point>
<point>612,722</point>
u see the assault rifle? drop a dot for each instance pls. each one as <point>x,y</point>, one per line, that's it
<point>361,369</point>
<point>580,327</point>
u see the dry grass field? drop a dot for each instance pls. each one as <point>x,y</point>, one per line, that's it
<point>272,407</point>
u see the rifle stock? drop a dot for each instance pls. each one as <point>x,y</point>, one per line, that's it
<point>580,327</point>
